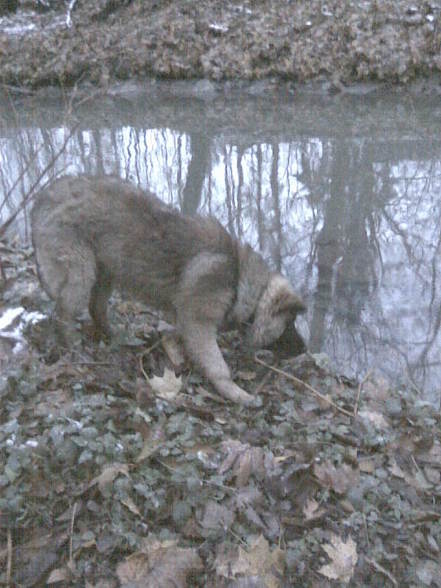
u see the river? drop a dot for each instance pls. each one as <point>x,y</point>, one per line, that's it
<point>341,193</point>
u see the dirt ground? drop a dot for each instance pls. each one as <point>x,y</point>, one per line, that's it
<point>390,40</point>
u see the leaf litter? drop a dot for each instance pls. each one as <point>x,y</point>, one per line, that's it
<point>120,467</point>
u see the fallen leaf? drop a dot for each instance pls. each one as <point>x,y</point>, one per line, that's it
<point>257,562</point>
<point>396,471</point>
<point>376,418</point>
<point>158,564</point>
<point>168,386</point>
<point>367,466</point>
<point>338,479</point>
<point>108,475</point>
<point>244,460</point>
<point>217,516</point>
<point>428,572</point>
<point>128,503</point>
<point>343,557</point>
<point>59,575</point>
<point>311,510</point>
<point>432,474</point>
<point>376,388</point>
<point>417,479</point>
<point>246,376</point>
<point>152,443</point>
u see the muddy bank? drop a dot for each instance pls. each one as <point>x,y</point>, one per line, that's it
<point>394,41</point>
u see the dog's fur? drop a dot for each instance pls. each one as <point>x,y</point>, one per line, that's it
<point>92,234</point>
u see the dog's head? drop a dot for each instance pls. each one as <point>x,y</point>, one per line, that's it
<point>273,324</point>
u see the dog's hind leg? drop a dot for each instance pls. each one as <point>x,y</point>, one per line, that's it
<point>99,297</point>
<point>69,274</point>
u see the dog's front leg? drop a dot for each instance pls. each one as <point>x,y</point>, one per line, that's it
<point>201,346</point>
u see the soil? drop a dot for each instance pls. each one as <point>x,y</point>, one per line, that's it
<point>394,41</point>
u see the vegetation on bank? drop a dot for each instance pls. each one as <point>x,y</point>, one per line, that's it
<point>392,40</point>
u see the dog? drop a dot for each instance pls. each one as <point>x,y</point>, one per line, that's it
<point>94,234</point>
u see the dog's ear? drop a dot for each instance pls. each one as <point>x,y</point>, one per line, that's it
<point>287,301</point>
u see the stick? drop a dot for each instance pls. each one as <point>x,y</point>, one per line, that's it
<point>143,354</point>
<point>307,386</point>
<point>360,386</point>
<point>382,570</point>
<point>30,194</point>
<point>71,563</point>
<point>9,560</point>
<point>69,13</point>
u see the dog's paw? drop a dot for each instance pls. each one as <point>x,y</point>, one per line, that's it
<point>231,391</point>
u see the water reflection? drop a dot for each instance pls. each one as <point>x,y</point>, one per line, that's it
<point>342,196</point>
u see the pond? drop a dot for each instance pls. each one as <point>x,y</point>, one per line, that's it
<point>341,193</point>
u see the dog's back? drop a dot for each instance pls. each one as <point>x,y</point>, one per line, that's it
<point>99,233</point>
<point>93,234</point>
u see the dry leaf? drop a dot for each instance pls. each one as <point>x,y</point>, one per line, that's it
<point>168,386</point>
<point>260,561</point>
<point>432,474</point>
<point>256,562</point>
<point>377,389</point>
<point>59,575</point>
<point>247,376</point>
<point>244,460</point>
<point>152,443</point>
<point>396,471</point>
<point>376,418</point>
<point>109,474</point>
<point>343,559</point>
<point>217,516</point>
<point>338,479</point>
<point>160,565</point>
<point>128,502</point>
<point>311,510</point>
<point>416,480</point>
<point>289,454</point>
<point>367,466</point>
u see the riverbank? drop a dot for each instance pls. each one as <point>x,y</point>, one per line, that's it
<point>393,41</point>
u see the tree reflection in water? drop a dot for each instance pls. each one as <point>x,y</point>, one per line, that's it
<point>341,194</point>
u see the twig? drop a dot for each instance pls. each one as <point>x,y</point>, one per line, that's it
<point>307,386</point>
<point>88,363</point>
<point>143,354</point>
<point>202,482</point>
<point>360,386</point>
<point>265,379</point>
<point>71,530</point>
<point>18,90</point>
<point>69,13</point>
<point>30,192</point>
<point>382,570</point>
<point>366,531</point>
<point>9,560</point>
<point>238,538</point>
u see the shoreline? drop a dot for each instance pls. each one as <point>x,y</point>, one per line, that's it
<point>335,46</point>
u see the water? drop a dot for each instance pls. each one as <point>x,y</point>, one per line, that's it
<point>343,194</point>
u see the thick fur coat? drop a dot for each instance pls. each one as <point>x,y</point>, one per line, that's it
<point>94,234</point>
